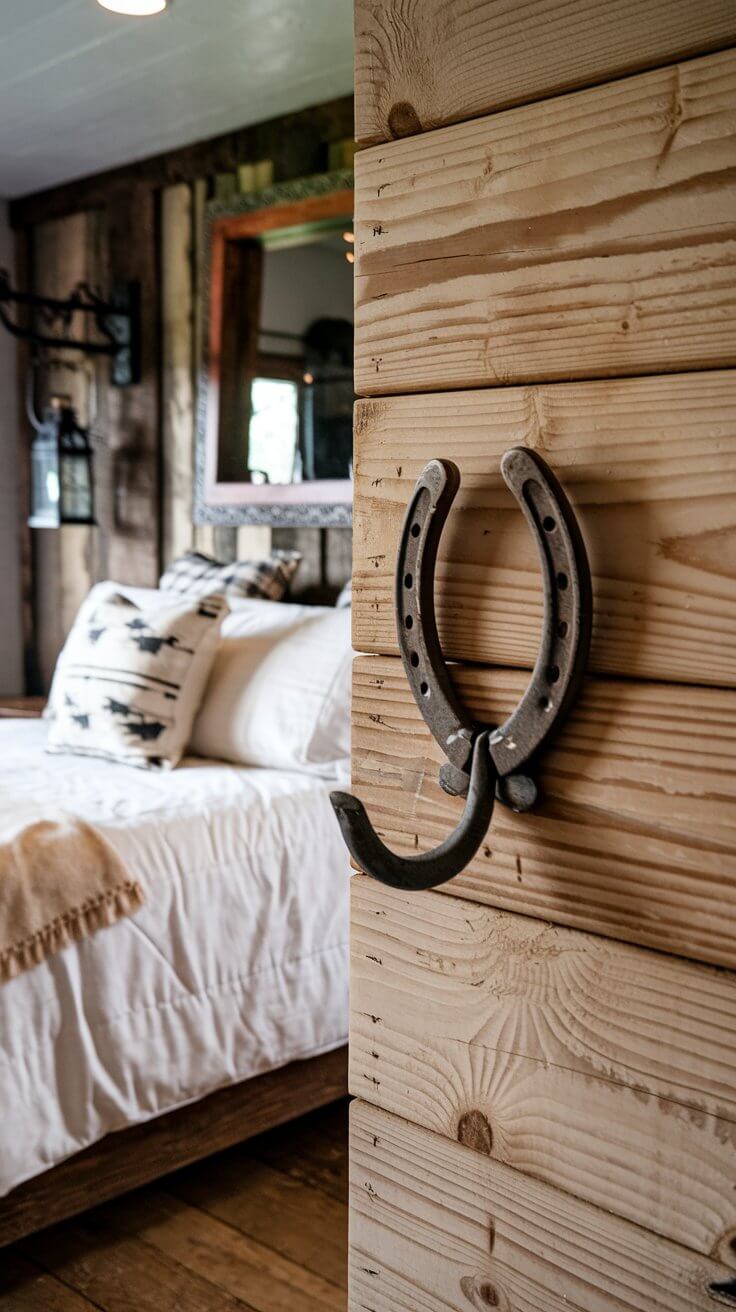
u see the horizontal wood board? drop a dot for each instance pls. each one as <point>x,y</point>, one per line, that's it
<point>592,235</point>
<point>423,66</point>
<point>650,467</point>
<point>437,1226</point>
<point>635,837</point>
<point>604,1069</point>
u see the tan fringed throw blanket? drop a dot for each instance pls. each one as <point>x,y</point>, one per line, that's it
<point>60,880</point>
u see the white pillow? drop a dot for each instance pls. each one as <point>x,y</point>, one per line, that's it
<point>279,691</point>
<point>99,592</point>
<point>130,678</point>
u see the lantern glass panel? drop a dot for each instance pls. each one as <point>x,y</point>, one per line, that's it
<point>75,469</point>
<point>45,487</point>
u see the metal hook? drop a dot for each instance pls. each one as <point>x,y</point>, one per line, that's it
<point>428,869</point>
<point>482,761</point>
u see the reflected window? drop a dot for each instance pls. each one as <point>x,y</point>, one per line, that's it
<point>301,358</point>
<point>273,440</point>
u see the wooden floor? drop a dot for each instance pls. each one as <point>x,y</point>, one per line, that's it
<point>262,1227</point>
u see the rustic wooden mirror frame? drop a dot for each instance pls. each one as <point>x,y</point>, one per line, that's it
<point>231,227</point>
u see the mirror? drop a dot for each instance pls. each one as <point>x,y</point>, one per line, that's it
<point>275,432</point>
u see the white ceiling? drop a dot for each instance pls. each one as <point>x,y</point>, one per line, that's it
<point>82,89</point>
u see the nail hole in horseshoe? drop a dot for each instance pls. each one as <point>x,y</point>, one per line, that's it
<point>424,689</point>
<point>408,580</point>
<point>549,523</point>
<point>562,581</point>
<point>415,530</point>
<point>409,622</point>
<point>562,629</point>
<point>553,673</point>
<point>545,704</point>
<point>414,658</point>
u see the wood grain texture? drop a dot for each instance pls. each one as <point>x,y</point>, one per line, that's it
<point>593,235</point>
<point>66,561</point>
<point>301,1223</point>
<point>650,467</point>
<point>119,1273</point>
<point>132,1254</point>
<point>437,1226</point>
<point>636,835</point>
<point>421,64</point>
<point>177,369</point>
<point>604,1069</point>
<point>133,413</point>
<point>232,1261</point>
<point>26,1288</point>
<point>132,1157</point>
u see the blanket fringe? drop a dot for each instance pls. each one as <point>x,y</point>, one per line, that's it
<point>94,914</point>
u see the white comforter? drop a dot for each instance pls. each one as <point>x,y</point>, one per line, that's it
<point>237,963</point>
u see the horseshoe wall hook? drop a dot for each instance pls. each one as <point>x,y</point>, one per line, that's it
<point>483,761</point>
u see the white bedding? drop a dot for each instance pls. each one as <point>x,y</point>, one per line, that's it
<point>237,963</point>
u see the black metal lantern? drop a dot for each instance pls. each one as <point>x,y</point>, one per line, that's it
<point>62,490</point>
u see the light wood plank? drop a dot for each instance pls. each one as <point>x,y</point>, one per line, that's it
<point>650,467</point>
<point>604,1069</point>
<point>455,59</point>
<point>636,835</point>
<point>133,414</point>
<point>222,1255</point>
<point>593,235</point>
<point>436,1226</point>
<point>204,534</point>
<point>177,381</point>
<point>66,561</point>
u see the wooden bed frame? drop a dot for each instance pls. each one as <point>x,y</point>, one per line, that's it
<point>142,1153</point>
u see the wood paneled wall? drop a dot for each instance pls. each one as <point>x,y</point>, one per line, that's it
<point>146,223</point>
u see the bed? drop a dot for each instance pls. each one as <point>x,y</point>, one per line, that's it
<point>235,967</point>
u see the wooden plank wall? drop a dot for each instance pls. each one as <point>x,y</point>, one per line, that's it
<point>146,223</point>
<point>650,467</point>
<point>435,1225</point>
<point>550,1050</point>
<point>626,265</point>
<point>418,68</point>
<point>65,564</point>
<point>546,1115</point>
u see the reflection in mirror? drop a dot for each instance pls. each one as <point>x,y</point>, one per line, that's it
<point>301,391</point>
<point>275,431</point>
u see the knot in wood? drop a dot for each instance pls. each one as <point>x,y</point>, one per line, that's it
<point>475,1132</point>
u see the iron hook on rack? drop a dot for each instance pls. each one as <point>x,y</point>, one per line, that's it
<point>117,321</point>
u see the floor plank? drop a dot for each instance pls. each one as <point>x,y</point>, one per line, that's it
<point>259,1228</point>
<point>235,1263</point>
<point>299,1222</point>
<point>24,1287</point>
<point>118,1273</point>
<point>311,1150</point>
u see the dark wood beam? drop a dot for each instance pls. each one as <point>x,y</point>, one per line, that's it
<point>297,143</point>
<point>135,1156</point>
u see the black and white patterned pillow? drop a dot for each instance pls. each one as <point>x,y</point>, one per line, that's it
<point>130,678</point>
<point>197,575</point>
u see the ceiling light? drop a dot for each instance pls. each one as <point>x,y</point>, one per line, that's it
<point>350,257</point>
<point>348,236</point>
<point>136,8</point>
